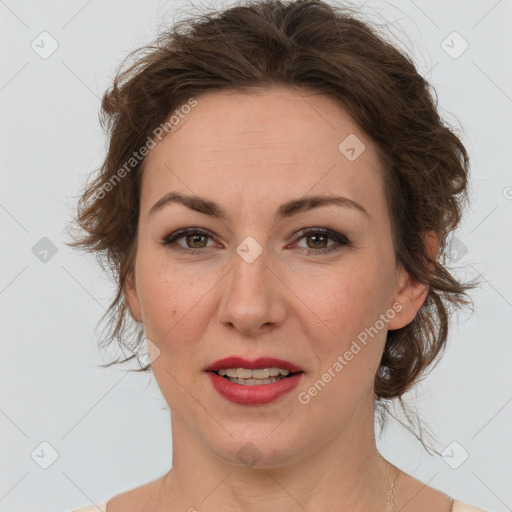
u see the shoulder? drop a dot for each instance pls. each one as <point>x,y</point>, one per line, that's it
<point>416,496</point>
<point>459,506</point>
<point>140,498</point>
<point>92,508</point>
<point>143,497</point>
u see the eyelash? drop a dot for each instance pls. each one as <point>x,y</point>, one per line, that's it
<point>341,240</point>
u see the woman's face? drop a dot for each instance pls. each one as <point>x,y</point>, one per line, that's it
<point>251,284</point>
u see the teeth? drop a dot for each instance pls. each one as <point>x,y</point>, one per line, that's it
<point>254,382</point>
<point>245,373</point>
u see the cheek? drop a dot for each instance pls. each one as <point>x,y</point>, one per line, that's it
<point>162,294</point>
<point>347,304</point>
<point>173,301</point>
<point>346,299</point>
<point>342,334</point>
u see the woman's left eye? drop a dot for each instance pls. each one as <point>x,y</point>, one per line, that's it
<point>322,235</point>
<point>319,237</point>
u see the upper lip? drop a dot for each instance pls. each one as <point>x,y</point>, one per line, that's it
<point>262,362</point>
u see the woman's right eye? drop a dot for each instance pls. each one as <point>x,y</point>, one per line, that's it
<point>192,236</point>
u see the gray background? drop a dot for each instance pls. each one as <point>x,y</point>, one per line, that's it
<point>110,430</point>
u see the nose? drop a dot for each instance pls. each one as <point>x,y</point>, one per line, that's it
<point>253,296</point>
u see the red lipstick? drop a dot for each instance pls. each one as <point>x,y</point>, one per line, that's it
<point>257,394</point>
<point>262,362</point>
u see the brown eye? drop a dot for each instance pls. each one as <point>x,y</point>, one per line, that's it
<point>196,240</point>
<point>192,240</point>
<point>317,241</point>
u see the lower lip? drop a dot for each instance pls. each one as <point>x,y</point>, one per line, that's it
<point>258,394</point>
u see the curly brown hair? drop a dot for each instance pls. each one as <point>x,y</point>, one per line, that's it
<point>326,49</point>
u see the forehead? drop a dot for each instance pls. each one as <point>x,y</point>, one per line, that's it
<point>267,143</point>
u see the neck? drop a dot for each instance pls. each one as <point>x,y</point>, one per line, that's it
<point>344,472</point>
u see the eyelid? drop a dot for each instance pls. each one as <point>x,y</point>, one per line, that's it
<point>180,233</point>
<point>324,231</point>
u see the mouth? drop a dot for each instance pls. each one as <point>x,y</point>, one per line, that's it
<point>254,377</point>
<point>255,382</point>
<point>244,371</point>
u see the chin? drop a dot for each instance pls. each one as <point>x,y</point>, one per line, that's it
<point>259,448</point>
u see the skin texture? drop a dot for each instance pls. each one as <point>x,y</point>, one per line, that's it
<point>250,153</point>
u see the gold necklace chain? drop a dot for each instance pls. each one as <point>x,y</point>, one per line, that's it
<point>391,493</point>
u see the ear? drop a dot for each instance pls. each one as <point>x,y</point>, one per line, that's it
<point>410,293</point>
<point>132,299</point>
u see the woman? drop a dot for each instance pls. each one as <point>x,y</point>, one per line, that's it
<point>275,204</point>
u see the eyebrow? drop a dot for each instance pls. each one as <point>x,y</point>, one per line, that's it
<point>287,209</point>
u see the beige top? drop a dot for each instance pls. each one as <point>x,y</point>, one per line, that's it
<point>93,508</point>
<point>458,506</point>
